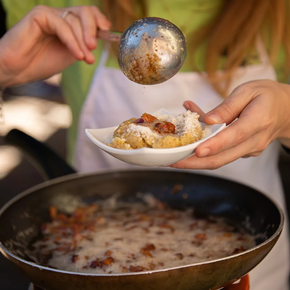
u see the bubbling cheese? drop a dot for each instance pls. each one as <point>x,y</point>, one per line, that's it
<point>135,238</point>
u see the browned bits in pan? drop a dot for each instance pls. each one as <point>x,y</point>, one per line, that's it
<point>179,256</point>
<point>176,188</point>
<point>164,250</point>
<point>146,250</point>
<point>160,205</point>
<point>145,253</point>
<point>96,264</point>
<point>108,253</point>
<point>83,213</point>
<point>65,247</point>
<point>132,228</point>
<point>144,217</point>
<point>88,238</point>
<point>197,243</point>
<point>201,237</point>
<point>227,235</point>
<point>160,233</point>
<point>238,250</point>
<point>124,270</point>
<point>53,212</point>
<point>193,226</point>
<point>61,217</point>
<point>74,258</point>
<point>136,268</point>
<point>108,261</point>
<point>166,226</point>
<point>100,264</point>
<point>101,220</point>
<point>132,256</point>
<point>152,266</point>
<point>150,247</point>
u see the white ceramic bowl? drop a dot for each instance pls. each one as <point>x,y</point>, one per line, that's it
<point>148,156</point>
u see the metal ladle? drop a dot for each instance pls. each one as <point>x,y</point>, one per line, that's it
<point>150,51</point>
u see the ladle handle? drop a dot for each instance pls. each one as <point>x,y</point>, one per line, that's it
<point>109,35</point>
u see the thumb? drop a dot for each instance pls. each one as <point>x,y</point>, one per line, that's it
<point>191,106</point>
<point>229,109</point>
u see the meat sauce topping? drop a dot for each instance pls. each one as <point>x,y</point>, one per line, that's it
<point>162,127</point>
<point>166,131</point>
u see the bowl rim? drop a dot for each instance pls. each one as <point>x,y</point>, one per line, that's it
<point>151,151</point>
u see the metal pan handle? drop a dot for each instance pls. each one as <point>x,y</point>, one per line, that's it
<point>45,159</point>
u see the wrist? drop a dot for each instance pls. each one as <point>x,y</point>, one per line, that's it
<point>4,75</point>
<point>7,78</point>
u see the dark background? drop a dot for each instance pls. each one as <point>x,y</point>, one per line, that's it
<point>2,21</point>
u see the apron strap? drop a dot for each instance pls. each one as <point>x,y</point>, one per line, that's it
<point>262,51</point>
<point>101,65</point>
<point>104,57</point>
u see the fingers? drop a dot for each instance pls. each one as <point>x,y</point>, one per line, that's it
<point>78,31</point>
<point>221,159</point>
<point>189,105</point>
<point>231,108</point>
<point>235,134</point>
<point>88,24</point>
<point>84,22</point>
<point>53,24</point>
<point>91,19</point>
<point>102,22</point>
<point>252,120</point>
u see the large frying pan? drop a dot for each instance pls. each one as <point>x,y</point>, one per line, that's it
<point>21,218</point>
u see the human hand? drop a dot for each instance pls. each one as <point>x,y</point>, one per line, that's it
<point>262,109</point>
<point>43,43</point>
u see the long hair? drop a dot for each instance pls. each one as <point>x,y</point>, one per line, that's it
<point>232,33</point>
<point>122,13</point>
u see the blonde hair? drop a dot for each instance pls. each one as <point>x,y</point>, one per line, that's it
<point>233,32</point>
<point>122,13</point>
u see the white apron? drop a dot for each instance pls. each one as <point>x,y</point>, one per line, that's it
<point>112,98</point>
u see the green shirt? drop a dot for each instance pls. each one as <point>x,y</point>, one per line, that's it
<point>188,15</point>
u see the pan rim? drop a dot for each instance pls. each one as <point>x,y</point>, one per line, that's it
<point>54,181</point>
